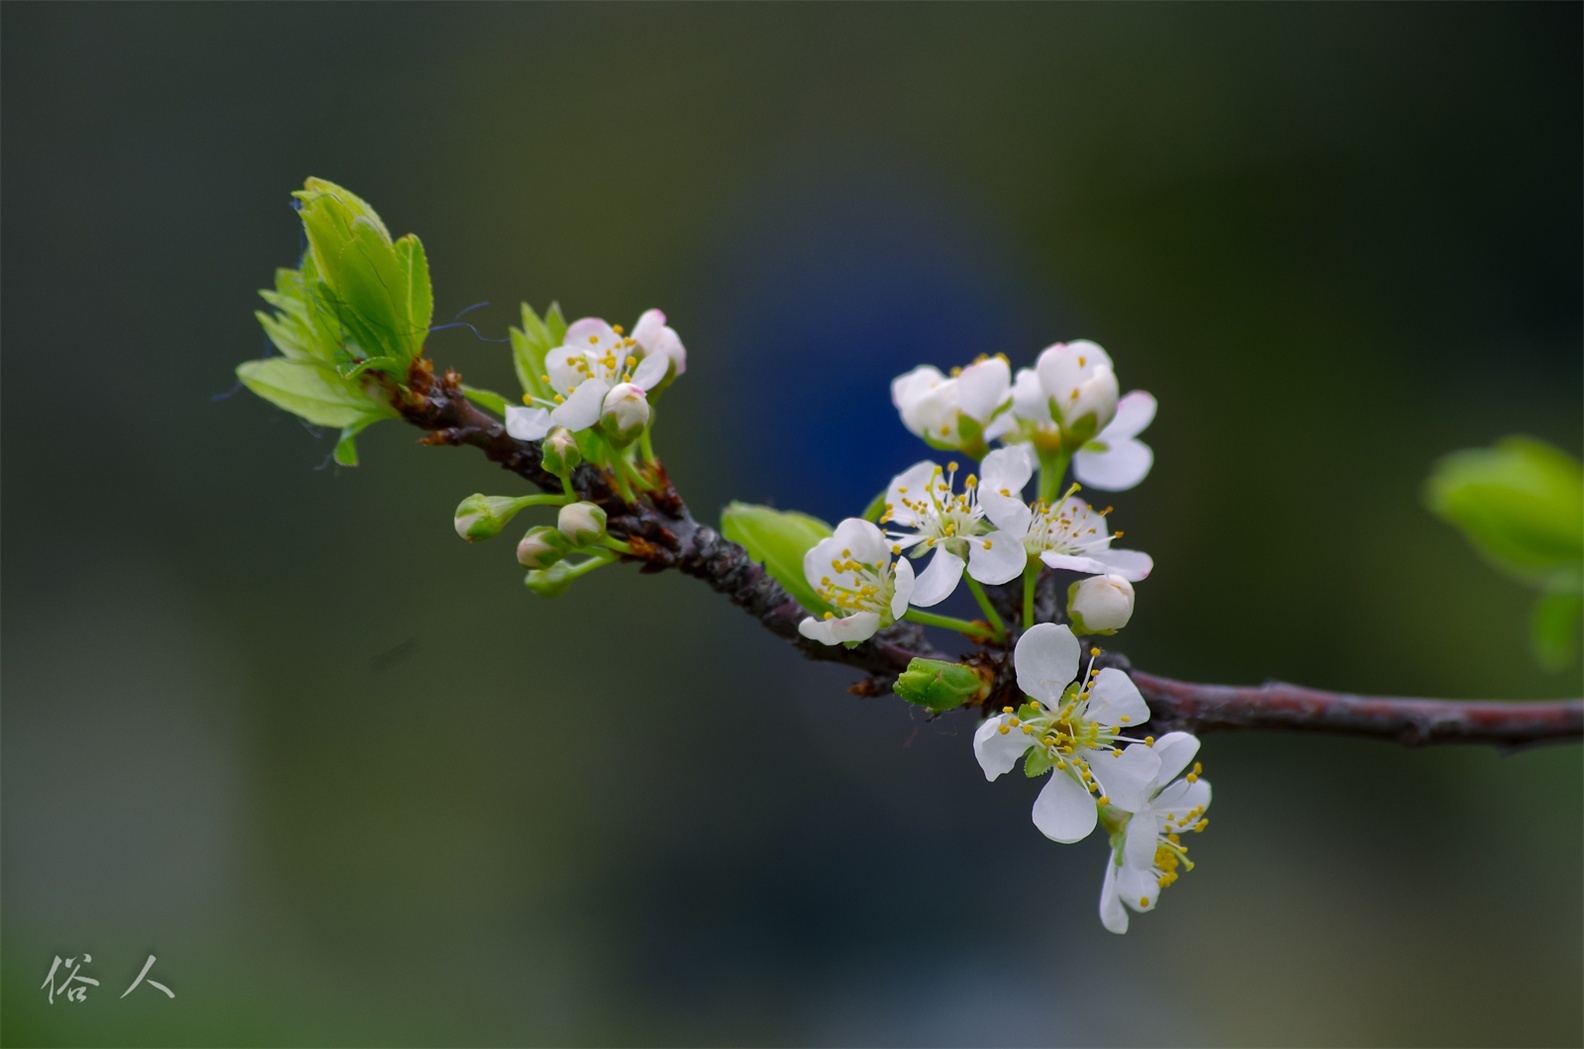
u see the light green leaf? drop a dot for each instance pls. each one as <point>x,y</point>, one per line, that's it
<point>555,325</point>
<point>778,540</point>
<point>311,391</point>
<point>420,296</point>
<point>485,399</point>
<point>1554,629</point>
<point>1521,504</point>
<point>346,445</point>
<point>529,345</point>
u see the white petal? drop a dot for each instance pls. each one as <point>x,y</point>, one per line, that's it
<point>1007,469</point>
<point>582,409</point>
<point>913,479</point>
<point>651,370</point>
<point>1180,798</point>
<point>1074,563</point>
<point>908,390</point>
<point>1138,888</point>
<point>904,584</point>
<point>936,583</point>
<point>817,562</point>
<point>998,752</point>
<point>1138,845</point>
<point>1176,750</point>
<point>1112,914</point>
<point>858,627</point>
<point>1029,400</point>
<point>647,331</point>
<point>983,387</point>
<point>1131,565</point>
<point>996,558</point>
<point>1116,469</point>
<point>527,424</point>
<point>867,542</point>
<point>560,366</point>
<point>1009,514</point>
<point>1127,777</point>
<point>1064,810</point>
<point>588,333</point>
<point>1046,659</point>
<point>1133,413</point>
<point>1115,700</point>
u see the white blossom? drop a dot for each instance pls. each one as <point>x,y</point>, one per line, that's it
<point>1147,853</point>
<point>1071,535</point>
<point>959,528</point>
<point>1074,727</point>
<point>1100,604</point>
<point>852,572</point>
<point>953,413</point>
<point>593,359</point>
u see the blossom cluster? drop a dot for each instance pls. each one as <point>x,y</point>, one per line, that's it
<point>1083,729</point>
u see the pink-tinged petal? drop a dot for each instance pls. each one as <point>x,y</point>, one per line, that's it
<point>904,585</point>
<point>651,371</point>
<point>1176,750</point>
<point>1073,563</point>
<point>866,542</point>
<point>647,331</point>
<point>998,752</point>
<point>527,424</point>
<point>582,409</point>
<point>657,339</point>
<point>1029,399</point>
<point>936,583</point>
<point>1046,659</point>
<point>1115,468</point>
<point>1064,810</point>
<point>1138,844</point>
<point>909,484</point>
<point>1181,798</point>
<point>1133,413</point>
<point>996,558</point>
<point>1115,700</point>
<point>1112,914</point>
<point>1006,471</point>
<point>1139,889</point>
<point>858,627</point>
<point>983,387</point>
<point>1131,565</point>
<point>587,333</point>
<point>1127,776</point>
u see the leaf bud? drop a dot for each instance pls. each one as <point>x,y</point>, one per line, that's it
<point>560,454</point>
<point>625,414</point>
<point>483,516</point>
<point>1100,604</point>
<point>939,685</point>
<point>542,547</point>
<point>581,523</point>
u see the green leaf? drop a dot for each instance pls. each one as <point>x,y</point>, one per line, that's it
<point>1554,632</point>
<point>1521,504</point>
<point>485,399</point>
<point>876,509</point>
<point>312,391</point>
<point>529,345</point>
<point>346,445</point>
<point>420,296</point>
<point>778,540</point>
<point>555,325</point>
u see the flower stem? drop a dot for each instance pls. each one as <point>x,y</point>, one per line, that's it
<point>962,626</point>
<point>1053,467</point>
<point>1030,580</point>
<point>599,559</point>
<point>646,443</point>
<point>989,610</point>
<point>544,500</point>
<point>617,545</point>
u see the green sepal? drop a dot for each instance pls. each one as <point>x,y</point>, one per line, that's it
<point>312,391</point>
<point>1037,762</point>
<point>1554,628</point>
<point>778,540</point>
<point>940,685</point>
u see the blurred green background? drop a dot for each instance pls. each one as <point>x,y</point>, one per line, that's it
<point>272,722</point>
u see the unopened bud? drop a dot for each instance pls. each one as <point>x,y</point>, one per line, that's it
<point>1092,409</point>
<point>625,414</point>
<point>542,547</point>
<point>483,516</point>
<point>582,523</point>
<point>550,582</point>
<point>1100,604</point>
<point>939,685</point>
<point>560,451</point>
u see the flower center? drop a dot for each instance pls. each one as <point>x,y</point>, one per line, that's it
<point>857,586</point>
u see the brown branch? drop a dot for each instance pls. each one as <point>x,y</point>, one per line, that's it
<point>664,535</point>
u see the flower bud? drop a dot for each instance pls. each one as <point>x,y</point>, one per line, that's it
<point>625,414</point>
<point>581,523</point>
<point>550,582</point>
<point>1089,406</point>
<point>939,685</point>
<point>483,516</point>
<point>542,547</point>
<point>560,451</point>
<point>1100,604</point>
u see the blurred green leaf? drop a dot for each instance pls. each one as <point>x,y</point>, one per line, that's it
<point>529,345</point>
<point>1555,628</point>
<point>346,445</point>
<point>1520,503</point>
<point>313,391</point>
<point>485,399</point>
<point>778,539</point>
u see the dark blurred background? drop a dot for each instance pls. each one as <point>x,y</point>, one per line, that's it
<point>270,720</point>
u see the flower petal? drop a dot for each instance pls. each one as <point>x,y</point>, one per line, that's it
<point>527,424</point>
<point>1131,565</point>
<point>1113,468</point>
<point>588,333</point>
<point>864,539</point>
<point>1064,810</point>
<point>1176,750</point>
<point>1046,659</point>
<point>983,387</point>
<point>1180,798</point>
<point>1006,471</point>
<point>1029,400</point>
<point>1115,700</point>
<point>582,409</point>
<point>1074,563</point>
<point>936,583</point>
<point>857,627</point>
<point>651,370</point>
<point>1127,776</point>
<point>998,752</point>
<point>907,391</point>
<point>908,485</point>
<point>996,558</point>
<point>1010,515</point>
<point>1112,914</point>
<point>1138,844</point>
<point>1133,413</point>
<point>1138,888</point>
<point>904,585</point>
<point>563,365</point>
